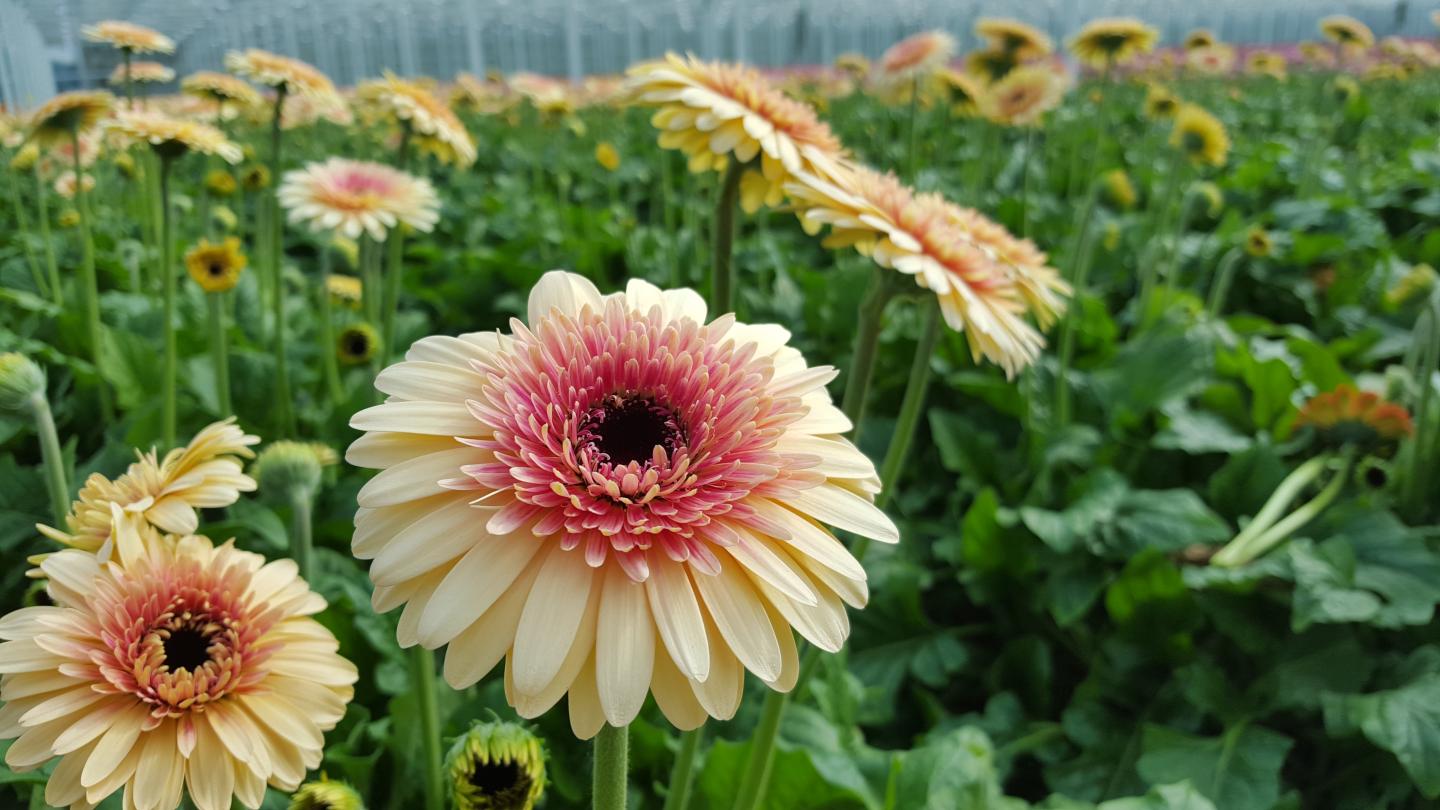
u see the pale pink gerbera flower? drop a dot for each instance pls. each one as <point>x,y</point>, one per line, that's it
<point>352,197</point>
<point>178,666</point>
<point>617,498</point>
<point>142,73</point>
<point>916,55</point>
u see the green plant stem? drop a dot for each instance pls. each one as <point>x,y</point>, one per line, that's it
<point>912,404</point>
<point>301,539</point>
<point>1150,274</point>
<point>683,773</point>
<point>1278,533</point>
<point>220,351</point>
<point>52,267</point>
<point>1224,276</point>
<point>89,281</point>
<point>422,673</point>
<point>394,270</point>
<point>1234,552</point>
<point>56,480</point>
<point>1025,182</point>
<point>1082,248</point>
<point>869,321</point>
<point>612,764</point>
<point>751,792</point>
<point>328,360</point>
<point>167,287</point>
<point>722,292</point>
<point>285,413</point>
<point>129,83</point>
<point>911,153</point>
<point>23,222</point>
<point>1422,364</point>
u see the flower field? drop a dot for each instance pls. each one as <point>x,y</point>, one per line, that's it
<point>1053,425</point>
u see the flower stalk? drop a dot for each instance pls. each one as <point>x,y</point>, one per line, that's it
<point>22,389</point>
<point>88,280</point>
<point>52,267</point>
<point>329,362</point>
<point>611,775</point>
<point>1080,254</point>
<point>751,792</point>
<point>167,292</point>
<point>285,413</point>
<point>220,351</point>
<point>870,320</point>
<point>682,775</point>
<point>722,294</point>
<point>1260,534</point>
<point>422,672</point>
<point>911,405</point>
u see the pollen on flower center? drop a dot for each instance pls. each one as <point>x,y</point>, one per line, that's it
<point>626,429</point>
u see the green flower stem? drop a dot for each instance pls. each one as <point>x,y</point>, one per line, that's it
<point>1025,182</point>
<point>751,791</point>
<point>1235,552</point>
<point>167,288</point>
<point>722,293</point>
<point>911,154</point>
<point>869,321</point>
<point>1224,276</point>
<point>285,413</point>
<point>611,774</point>
<point>912,404</point>
<point>129,84</point>
<point>394,271</point>
<point>301,542</point>
<point>422,672</point>
<point>220,351</point>
<point>327,334</point>
<point>23,222</point>
<point>1080,261</point>
<point>88,281</point>
<point>1421,361</point>
<point>683,773</point>
<point>52,267</point>
<point>1150,270</point>
<point>56,480</point>
<point>1281,531</point>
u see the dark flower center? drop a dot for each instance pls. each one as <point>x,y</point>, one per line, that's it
<point>1193,142</point>
<point>217,268</point>
<point>496,778</point>
<point>628,428</point>
<point>357,343</point>
<point>186,648</point>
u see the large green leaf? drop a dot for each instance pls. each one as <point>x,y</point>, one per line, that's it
<point>1404,721</point>
<point>1239,770</point>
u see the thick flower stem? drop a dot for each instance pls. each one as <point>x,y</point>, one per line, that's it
<point>422,673</point>
<point>912,405</point>
<point>394,269</point>
<point>1237,551</point>
<point>870,320</point>
<point>56,481</point>
<point>129,82</point>
<point>284,408</point>
<point>1025,173</point>
<point>1267,540</point>
<point>722,292</point>
<point>684,771</point>
<point>89,282</point>
<point>1220,286</point>
<point>301,543</point>
<point>167,287</point>
<point>612,764</point>
<point>751,792</point>
<point>52,268</point>
<point>220,351</point>
<point>327,334</point>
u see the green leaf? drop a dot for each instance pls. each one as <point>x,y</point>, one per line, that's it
<point>1168,519</point>
<point>954,771</point>
<point>1150,599</point>
<point>1063,531</point>
<point>1404,721</point>
<point>795,782</point>
<point>1178,796</point>
<point>1151,370</point>
<point>1198,432</point>
<point>1239,770</point>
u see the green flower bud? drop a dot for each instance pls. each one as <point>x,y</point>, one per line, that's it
<point>20,382</point>
<point>326,795</point>
<point>496,766</point>
<point>284,467</point>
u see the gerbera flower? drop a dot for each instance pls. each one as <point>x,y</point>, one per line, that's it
<point>172,137</point>
<point>916,55</point>
<point>1267,63</point>
<point>1200,38</point>
<point>142,73</point>
<point>965,92</point>
<point>69,218</point>
<point>1258,242</point>
<point>1023,97</point>
<point>300,110</point>
<point>220,182</point>
<point>619,498</point>
<point>1317,55</point>
<point>356,344</point>
<point>220,88</point>
<point>255,178</point>
<point>1347,32</point>
<point>1160,102</point>
<point>216,267</point>
<point>990,64</point>
<point>1111,41</point>
<point>67,113</point>
<point>1118,190</point>
<point>351,197</point>
<point>853,64</point>
<point>1200,136</point>
<point>65,184</point>
<point>205,474</point>
<point>935,242</point>
<point>1212,196</point>
<point>282,73</point>
<point>496,766</point>
<point>405,103</point>
<point>1025,41</point>
<point>62,153</point>
<point>1211,60</point>
<point>344,289</point>
<point>180,666</point>
<point>326,795</point>
<point>1417,282</point>
<point>128,37</point>
<point>1346,416</point>
<point>716,113</point>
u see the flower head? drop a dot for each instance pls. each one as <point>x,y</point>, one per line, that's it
<point>220,88</point>
<point>1344,88</point>
<point>496,766</point>
<point>1023,97</point>
<point>326,795</point>
<point>1200,136</point>
<point>1258,242</point>
<point>351,197</point>
<point>292,76</point>
<point>220,182</point>
<point>25,159</point>
<point>1267,63</point>
<point>853,64</point>
<point>988,64</point>
<point>1211,60</point>
<point>409,105</point>
<point>142,73</point>
<point>177,666</point>
<point>1347,31</point>
<point>63,152</point>
<point>1023,40</point>
<point>1211,194</point>
<point>65,184</point>
<point>356,344</point>
<point>286,466</point>
<point>255,178</point>
<point>1118,190</point>
<point>1346,416</point>
<point>205,474</point>
<point>67,113</point>
<point>964,91</point>
<point>619,497</point>
<point>1317,55</point>
<point>130,37</point>
<point>916,55</point>
<point>346,290</point>
<point>1160,103</point>
<point>1113,41</point>
<point>716,113</point>
<point>216,267</point>
<point>21,381</point>
<point>173,137</point>
<point>1200,38</point>
<point>607,156</point>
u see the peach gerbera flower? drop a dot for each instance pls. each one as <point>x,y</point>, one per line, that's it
<point>171,137</point>
<point>620,497</point>
<point>1211,60</point>
<point>1023,96</point>
<point>302,111</point>
<point>408,104</point>
<point>1023,40</point>
<point>177,667</point>
<point>65,185</point>
<point>283,73</point>
<point>1111,41</point>
<point>352,197</point>
<point>129,37</point>
<point>142,73</point>
<point>715,112</point>
<point>220,88</point>
<point>76,111</point>
<point>1347,31</point>
<point>917,55</point>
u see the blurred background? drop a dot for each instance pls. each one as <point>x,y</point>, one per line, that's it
<point>41,51</point>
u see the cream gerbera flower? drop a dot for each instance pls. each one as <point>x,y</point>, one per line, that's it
<point>409,105</point>
<point>142,73</point>
<point>177,667</point>
<point>1211,60</point>
<point>1111,41</point>
<point>77,111</point>
<point>205,474</point>
<point>65,184</point>
<point>130,37</point>
<point>283,73</point>
<point>619,498</point>
<point>984,278</point>
<point>1023,97</point>
<point>220,88</point>
<point>917,55</point>
<point>1347,31</point>
<point>173,137</point>
<point>351,197</point>
<point>1023,40</point>
<point>298,111</point>
<point>717,112</point>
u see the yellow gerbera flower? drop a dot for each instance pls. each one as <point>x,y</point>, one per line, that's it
<point>1118,190</point>
<point>346,290</point>
<point>1023,40</point>
<point>965,91</point>
<point>496,766</point>
<point>220,182</point>
<point>1160,102</point>
<point>607,156</point>
<point>1023,97</point>
<point>1317,55</point>
<point>990,64</point>
<point>216,267</point>
<point>1258,242</point>
<point>1347,32</point>
<point>853,64</point>
<point>68,113</point>
<point>1200,38</point>
<point>1344,88</point>
<point>173,137</point>
<point>128,37</point>
<point>1111,41</point>
<point>220,88</point>
<point>434,126</point>
<point>1267,63</point>
<point>357,344</point>
<point>1200,136</point>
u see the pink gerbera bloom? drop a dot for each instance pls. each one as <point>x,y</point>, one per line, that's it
<point>918,54</point>
<point>617,498</point>
<point>352,197</point>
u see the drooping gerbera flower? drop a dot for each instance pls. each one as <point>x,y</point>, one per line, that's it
<point>173,137</point>
<point>1200,38</point>
<point>618,498</point>
<point>496,766</point>
<point>1267,63</point>
<point>1023,40</point>
<point>411,106</point>
<point>221,89</point>
<point>1364,419</point>
<point>351,197</point>
<point>716,113</point>
<point>65,184</point>
<point>216,267</point>
<point>1111,41</point>
<point>205,474</point>
<point>965,92</point>
<point>346,290</point>
<point>1023,97</point>
<point>916,55</point>
<point>1347,32</point>
<point>943,248</point>
<point>178,666</point>
<point>1160,103</point>
<point>292,76</point>
<point>326,795</point>
<point>1258,243</point>
<point>990,64</point>
<point>76,111</point>
<point>356,344</point>
<point>1211,60</point>
<point>142,73</point>
<point>1039,285</point>
<point>127,36</point>
<point>1200,136</point>
<point>1118,191</point>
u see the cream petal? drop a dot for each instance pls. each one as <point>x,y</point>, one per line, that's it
<point>479,647</point>
<point>431,541</point>
<point>562,290</point>
<point>721,692</point>
<point>160,762</point>
<point>756,554</point>
<point>533,705</point>
<point>553,611</point>
<point>416,478</point>
<point>586,716</point>
<point>115,744</point>
<point>173,514</point>
<point>624,647</point>
<point>810,539</point>
<point>740,617</point>
<point>480,578</point>
<point>844,509</point>
<point>210,772</point>
<point>380,450</point>
<point>426,418</point>
<point>677,617</point>
<point>675,697</point>
<point>430,381</point>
